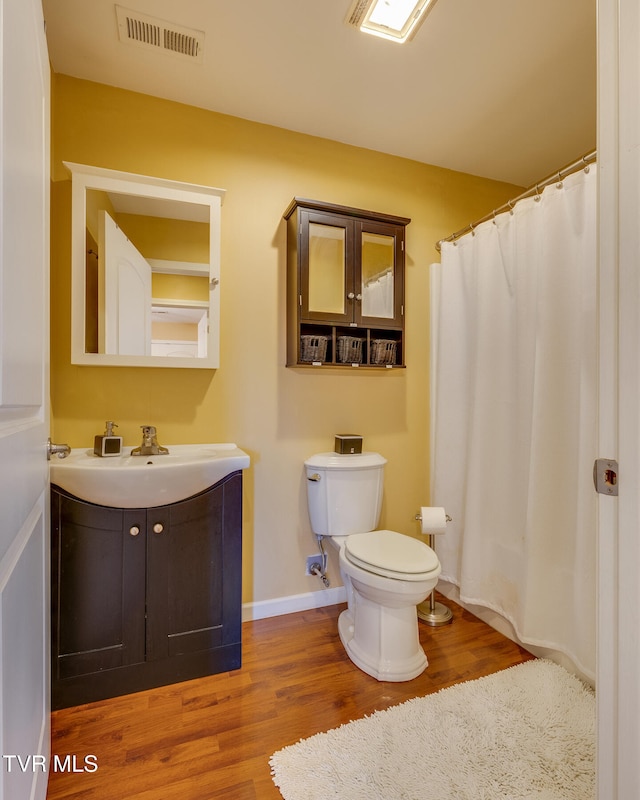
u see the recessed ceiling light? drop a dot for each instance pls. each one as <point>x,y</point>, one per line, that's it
<point>396,20</point>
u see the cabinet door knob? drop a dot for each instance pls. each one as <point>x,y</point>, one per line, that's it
<point>158,527</point>
<point>358,297</point>
<point>351,295</point>
<point>134,530</point>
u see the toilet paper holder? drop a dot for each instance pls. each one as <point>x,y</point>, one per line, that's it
<point>430,611</point>
<point>446,516</point>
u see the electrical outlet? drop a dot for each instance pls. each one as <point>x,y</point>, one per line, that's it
<point>320,559</point>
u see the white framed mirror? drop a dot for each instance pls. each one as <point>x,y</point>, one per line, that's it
<point>145,270</point>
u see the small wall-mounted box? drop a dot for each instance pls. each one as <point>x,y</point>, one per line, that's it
<point>348,443</point>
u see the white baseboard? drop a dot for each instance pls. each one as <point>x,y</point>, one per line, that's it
<point>262,609</point>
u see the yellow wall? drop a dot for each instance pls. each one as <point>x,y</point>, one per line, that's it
<point>278,415</point>
<point>171,239</point>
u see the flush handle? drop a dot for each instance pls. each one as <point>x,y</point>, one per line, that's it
<point>314,477</point>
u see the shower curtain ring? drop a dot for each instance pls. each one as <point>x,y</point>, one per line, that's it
<point>510,204</point>
<point>559,182</point>
<point>537,197</point>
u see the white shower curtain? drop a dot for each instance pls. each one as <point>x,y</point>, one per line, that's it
<point>514,416</point>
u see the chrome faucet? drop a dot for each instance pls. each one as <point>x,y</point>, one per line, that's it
<point>149,446</point>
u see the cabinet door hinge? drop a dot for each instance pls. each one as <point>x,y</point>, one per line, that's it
<point>605,476</point>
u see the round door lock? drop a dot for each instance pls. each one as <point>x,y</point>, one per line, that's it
<point>158,527</point>
<point>134,530</point>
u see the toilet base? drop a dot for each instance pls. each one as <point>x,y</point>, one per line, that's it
<point>387,652</point>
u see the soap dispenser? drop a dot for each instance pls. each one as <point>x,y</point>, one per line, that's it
<point>108,444</point>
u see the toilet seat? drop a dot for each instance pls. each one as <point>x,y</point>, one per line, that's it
<point>391,555</point>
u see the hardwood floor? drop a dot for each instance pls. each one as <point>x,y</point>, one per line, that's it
<point>211,738</point>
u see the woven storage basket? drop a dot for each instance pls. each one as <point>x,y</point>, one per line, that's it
<point>350,349</point>
<point>383,351</point>
<point>313,348</point>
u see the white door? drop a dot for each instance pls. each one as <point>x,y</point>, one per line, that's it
<point>618,671</point>
<point>24,410</point>
<point>124,293</point>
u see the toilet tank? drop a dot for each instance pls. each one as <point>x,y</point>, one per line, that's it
<point>344,492</point>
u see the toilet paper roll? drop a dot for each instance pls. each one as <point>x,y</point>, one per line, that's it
<point>433,519</point>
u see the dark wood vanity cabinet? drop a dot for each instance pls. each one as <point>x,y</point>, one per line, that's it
<point>345,286</point>
<point>144,597</point>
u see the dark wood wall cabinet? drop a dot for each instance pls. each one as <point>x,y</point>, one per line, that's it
<point>144,597</point>
<point>345,286</point>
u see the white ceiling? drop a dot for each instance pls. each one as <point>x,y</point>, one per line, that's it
<point>504,89</point>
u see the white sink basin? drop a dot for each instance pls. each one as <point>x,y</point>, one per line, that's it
<point>128,481</point>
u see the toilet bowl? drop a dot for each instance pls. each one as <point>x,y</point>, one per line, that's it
<point>379,627</point>
<point>386,574</point>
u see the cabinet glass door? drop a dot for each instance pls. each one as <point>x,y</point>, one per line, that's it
<point>379,270</point>
<point>327,256</point>
<point>377,278</point>
<point>327,290</point>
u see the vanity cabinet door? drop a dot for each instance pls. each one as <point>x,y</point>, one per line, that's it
<point>98,599</point>
<point>193,574</point>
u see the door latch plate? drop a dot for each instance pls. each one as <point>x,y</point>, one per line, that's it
<point>605,476</point>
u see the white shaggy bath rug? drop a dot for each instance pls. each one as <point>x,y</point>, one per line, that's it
<point>526,732</point>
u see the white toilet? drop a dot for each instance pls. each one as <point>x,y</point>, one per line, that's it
<point>386,574</point>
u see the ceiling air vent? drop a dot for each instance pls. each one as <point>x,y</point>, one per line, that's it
<point>156,34</point>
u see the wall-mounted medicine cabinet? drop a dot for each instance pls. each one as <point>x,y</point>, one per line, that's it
<point>345,286</point>
<point>145,270</point>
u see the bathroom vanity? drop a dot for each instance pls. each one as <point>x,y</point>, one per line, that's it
<point>143,597</point>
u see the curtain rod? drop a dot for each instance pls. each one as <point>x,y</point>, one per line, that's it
<point>581,163</point>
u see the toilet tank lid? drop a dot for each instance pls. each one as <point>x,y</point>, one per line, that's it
<point>345,461</point>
